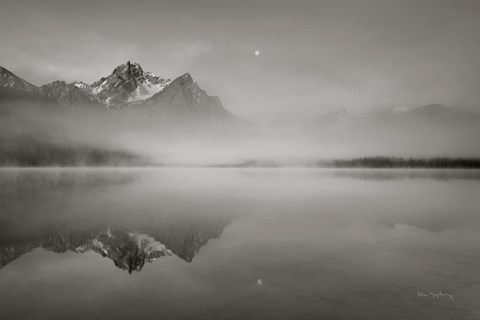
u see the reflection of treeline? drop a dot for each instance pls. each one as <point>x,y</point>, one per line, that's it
<point>28,151</point>
<point>399,162</point>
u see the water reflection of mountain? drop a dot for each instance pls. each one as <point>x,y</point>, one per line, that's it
<point>128,248</point>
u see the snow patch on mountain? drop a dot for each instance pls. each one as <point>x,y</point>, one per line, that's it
<point>151,86</point>
<point>149,244</point>
<point>80,85</point>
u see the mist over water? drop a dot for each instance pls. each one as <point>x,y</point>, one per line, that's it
<point>341,244</point>
<point>209,143</point>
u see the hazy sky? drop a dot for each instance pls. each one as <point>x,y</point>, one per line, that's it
<point>316,56</point>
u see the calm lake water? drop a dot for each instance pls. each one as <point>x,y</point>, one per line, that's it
<point>239,244</point>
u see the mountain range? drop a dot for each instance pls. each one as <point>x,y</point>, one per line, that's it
<point>127,87</point>
<point>432,112</point>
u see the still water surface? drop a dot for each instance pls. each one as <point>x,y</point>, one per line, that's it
<point>239,244</point>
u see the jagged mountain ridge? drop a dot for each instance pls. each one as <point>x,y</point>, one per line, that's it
<point>129,87</point>
<point>68,94</point>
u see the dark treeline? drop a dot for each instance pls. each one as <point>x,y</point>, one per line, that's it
<point>367,162</point>
<point>399,162</point>
<point>26,151</point>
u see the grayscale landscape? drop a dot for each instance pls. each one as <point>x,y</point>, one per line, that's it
<point>239,159</point>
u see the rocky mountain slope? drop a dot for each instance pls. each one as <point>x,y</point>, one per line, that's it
<point>10,80</point>
<point>68,94</point>
<point>184,98</point>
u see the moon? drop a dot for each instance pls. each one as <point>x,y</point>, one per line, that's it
<point>257,52</point>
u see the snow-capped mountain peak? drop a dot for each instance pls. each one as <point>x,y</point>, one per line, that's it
<point>128,82</point>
